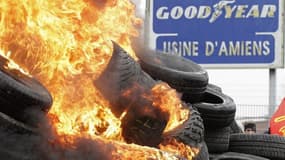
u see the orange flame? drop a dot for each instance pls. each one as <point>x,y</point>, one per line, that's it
<point>66,44</point>
<point>168,100</point>
<point>10,64</point>
<point>173,146</point>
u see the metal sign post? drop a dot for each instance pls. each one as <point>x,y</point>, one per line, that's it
<point>272,91</point>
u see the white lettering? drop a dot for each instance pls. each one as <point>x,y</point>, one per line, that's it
<point>190,12</point>
<point>223,49</point>
<point>209,49</point>
<point>204,12</point>
<point>176,12</point>
<point>243,48</point>
<point>266,48</point>
<point>240,13</point>
<point>161,13</point>
<point>230,11</point>
<point>268,11</point>
<point>253,12</point>
<point>181,48</point>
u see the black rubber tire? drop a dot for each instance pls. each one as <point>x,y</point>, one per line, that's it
<point>10,125</point>
<point>203,153</point>
<point>17,139</point>
<point>195,95</point>
<point>238,156</point>
<point>122,73</point>
<point>214,87</point>
<point>19,93</point>
<point>145,131</point>
<point>269,146</point>
<point>217,140</point>
<point>181,74</point>
<point>191,132</point>
<point>216,108</point>
<point>235,128</point>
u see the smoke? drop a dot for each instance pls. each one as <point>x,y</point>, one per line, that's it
<point>20,142</point>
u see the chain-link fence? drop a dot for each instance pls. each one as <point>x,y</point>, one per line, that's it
<point>254,113</point>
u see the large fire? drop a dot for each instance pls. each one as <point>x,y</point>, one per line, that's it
<point>66,44</point>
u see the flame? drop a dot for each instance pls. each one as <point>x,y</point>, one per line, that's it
<point>175,147</point>
<point>66,44</point>
<point>168,100</point>
<point>10,64</point>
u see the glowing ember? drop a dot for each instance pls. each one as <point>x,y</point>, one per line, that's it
<point>168,100</point>
<point>66,44</point>
<point>171,145</point>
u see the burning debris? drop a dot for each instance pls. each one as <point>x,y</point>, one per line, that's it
<point>71,87</point>
<point>67,46</point>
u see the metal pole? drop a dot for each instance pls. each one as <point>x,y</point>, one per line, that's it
<point>146,24</point>
<point>272,91</point>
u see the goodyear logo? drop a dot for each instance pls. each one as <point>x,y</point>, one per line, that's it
<point>227,9</point>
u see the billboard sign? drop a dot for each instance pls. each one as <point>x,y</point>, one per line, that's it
<point>219,33</point>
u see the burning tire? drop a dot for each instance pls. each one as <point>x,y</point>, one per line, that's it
<point>216,108</point>
<point>191,132</point>
<point>20,93</point>
<point>270,146</point>
<point>122,75</point>
<point>217,140</point>
<point>238,156</point>
<point>181,74</point>
<point>143,131</point>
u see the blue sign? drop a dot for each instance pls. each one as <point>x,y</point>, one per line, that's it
<point>217,31</point>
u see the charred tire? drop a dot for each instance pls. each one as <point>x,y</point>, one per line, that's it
<point>143,130</point>
<point>181,74</point>
<point>235,128</point>
<point>238,156</point>
<point>191,132</point>
<point>217,140</point>
<point>123,74</point>
<point>19,93</point>
<point>269,146</point>
<point>203,153</point>
<point>216,108</point>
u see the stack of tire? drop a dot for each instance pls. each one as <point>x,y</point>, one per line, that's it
<point>223,139</point>
<point>22,96</point>
<point>24,101</point>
